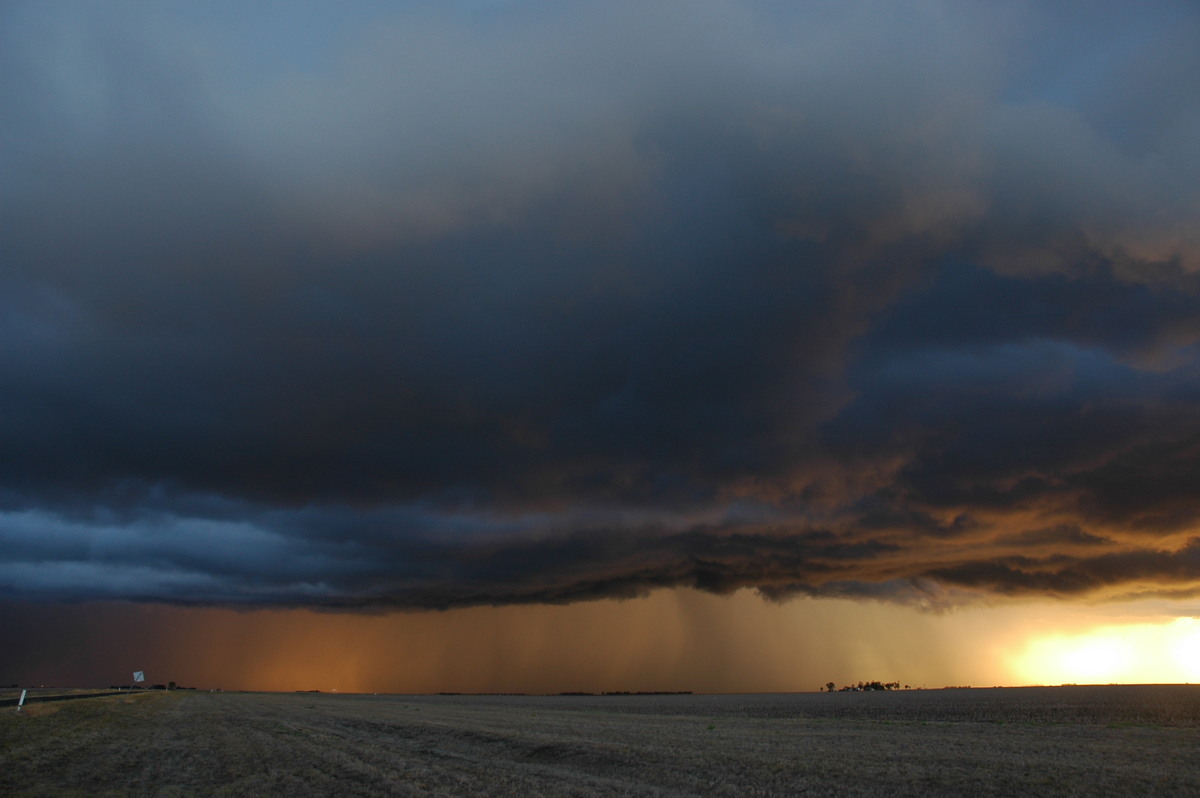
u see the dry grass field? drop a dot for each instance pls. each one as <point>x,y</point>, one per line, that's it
<point>1082,741</point>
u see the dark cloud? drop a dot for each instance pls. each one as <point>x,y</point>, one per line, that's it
<point>526,302</point>
<point>1141,572</point>
<point>1063,535</point>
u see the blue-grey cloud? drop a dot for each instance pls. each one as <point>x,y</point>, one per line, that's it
<point>432,304</point>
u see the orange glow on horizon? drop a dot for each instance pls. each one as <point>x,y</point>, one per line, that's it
<point>669,640</point>
<point>1162,653</point>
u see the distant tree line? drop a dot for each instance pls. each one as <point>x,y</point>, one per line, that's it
<point>647,692</point>
<point>577,693</point>
<point>632,692</point>
<point>863,687</point>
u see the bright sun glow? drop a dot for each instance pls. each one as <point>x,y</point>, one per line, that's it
<point>1142,653</point>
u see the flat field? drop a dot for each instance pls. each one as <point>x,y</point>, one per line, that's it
<point>1116,740</point>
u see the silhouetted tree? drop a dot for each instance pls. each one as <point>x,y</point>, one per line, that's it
<point>866,687</point>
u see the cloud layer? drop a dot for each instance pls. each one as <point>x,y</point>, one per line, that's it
<point>447,304</point>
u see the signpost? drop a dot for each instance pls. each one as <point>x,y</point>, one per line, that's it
<point>21,703</point>
<point>139,676</point>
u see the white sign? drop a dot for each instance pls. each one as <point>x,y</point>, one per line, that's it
<point>139,676</point>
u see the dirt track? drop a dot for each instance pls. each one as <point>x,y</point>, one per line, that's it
<point>1043,741</point>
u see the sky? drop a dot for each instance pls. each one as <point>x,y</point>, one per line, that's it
<point>531,346</point>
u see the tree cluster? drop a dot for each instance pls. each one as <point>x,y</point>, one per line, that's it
<point>863,687</point>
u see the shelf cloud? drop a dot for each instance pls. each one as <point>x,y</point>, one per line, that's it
<point>437,305</point>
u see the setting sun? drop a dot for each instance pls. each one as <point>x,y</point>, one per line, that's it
<point>1141,653</point>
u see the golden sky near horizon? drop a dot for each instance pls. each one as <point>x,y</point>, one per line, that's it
<point>670,640</point>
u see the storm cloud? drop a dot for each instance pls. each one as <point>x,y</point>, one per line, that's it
<point>433,305</point>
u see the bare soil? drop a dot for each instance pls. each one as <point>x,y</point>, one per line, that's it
<point>1118,740</point>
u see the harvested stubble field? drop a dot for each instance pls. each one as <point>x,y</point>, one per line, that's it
<point>1119,740</point>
